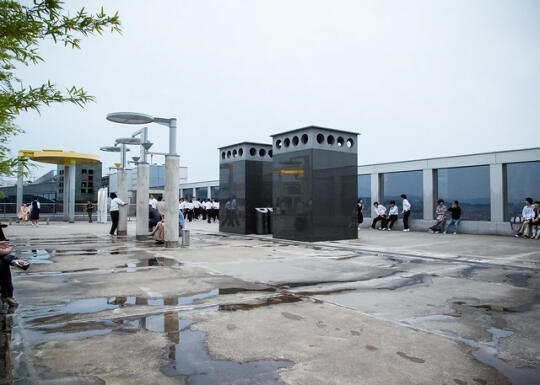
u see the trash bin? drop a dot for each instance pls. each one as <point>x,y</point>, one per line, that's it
<point>270,213</point>
<point>261,220</point>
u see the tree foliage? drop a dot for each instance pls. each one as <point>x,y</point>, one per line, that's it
<point>24,25</point>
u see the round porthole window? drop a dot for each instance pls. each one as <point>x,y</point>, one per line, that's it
<point>350,143</point>
<point>340,141</point>
<point>234,153</point>
<point>295,140</point>
<point>287,142</point>
<point>330,139</point>
<point>252,151</point>
<point>262,152</point>
<point>223,155</point>
<point>240,152</point>
<point>270,153</point>
<point>228,154</point>
<point>278,144</point>
<point>304,138</point>
<point>320,138</point>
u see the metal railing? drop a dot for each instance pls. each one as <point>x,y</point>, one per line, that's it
<point>10,210</point>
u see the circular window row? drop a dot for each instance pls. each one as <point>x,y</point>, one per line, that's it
<point>330,139</point>
<point>238,153</point>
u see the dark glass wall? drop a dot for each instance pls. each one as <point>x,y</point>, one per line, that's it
<point>187,193</point>
<point>409,183</point>
<point>364,192</point>
<point>522,181</point>
<point>470,186</point>
<point>201,192</point>
<point>214,190</point>
<point>314,195</point>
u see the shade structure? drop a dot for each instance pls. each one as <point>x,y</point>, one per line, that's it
<point>59,157</point>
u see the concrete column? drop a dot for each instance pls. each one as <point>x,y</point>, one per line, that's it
<point>65,199</point>
<point>377,190</point>
<point>143,174</point>
<point>20,191</point>
<point>121,175</point>
<point>430,192</point>
<point>71,209</point>
<point>209,192</point>
<point>172,185</point>
<point>497,188</point>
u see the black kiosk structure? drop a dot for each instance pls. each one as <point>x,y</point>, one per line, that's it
<point>245,182</point>
<point>314,184</point>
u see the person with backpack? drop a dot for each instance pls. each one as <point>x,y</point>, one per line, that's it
<point>34,212</point>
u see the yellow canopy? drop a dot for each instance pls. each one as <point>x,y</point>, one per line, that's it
<point>59,157</point>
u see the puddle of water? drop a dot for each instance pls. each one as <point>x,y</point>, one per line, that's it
<point>38,256</point>
<point>188,356</point>
<point>405,282</point>
<point>519,279</point>
<point>273,300</point>
<point>497,334</point>
<point>517,376</point>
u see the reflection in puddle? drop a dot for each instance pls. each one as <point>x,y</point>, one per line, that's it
<point>188,356</point>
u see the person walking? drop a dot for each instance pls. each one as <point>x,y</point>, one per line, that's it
<point>115,211</point>
<point>528,215</point>
<point>393,213</point>
<point>455,210</point>
<point>406,212</point>
<point>89,210</point>
<point>360,205</point>
<point>380,211</point>
<point>34,212</point>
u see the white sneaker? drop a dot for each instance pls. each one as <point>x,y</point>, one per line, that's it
<point>389,229</point>
<point>406,230</point>
<point>455,233</point>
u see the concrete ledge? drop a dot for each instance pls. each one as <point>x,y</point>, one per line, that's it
<point>465,227</point>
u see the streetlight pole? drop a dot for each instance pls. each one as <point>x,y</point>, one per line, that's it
<point>172,174</point>
<point>143,186</point>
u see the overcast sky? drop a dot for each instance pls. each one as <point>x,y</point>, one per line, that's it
<point>416,78</point>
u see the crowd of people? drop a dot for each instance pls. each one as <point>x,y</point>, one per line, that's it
<point>192,209</point>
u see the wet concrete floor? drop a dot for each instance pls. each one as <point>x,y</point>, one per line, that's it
<point>245,310</point>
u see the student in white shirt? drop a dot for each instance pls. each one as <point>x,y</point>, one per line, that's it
<point>208,209</point>
<point>115,211</point>
<point>380,211</point>
<point>196,208</point>
<point>392,215</point>
<point>153,201</point>
<point>406,212</point>
<point>528,215</point>
<point>189,210</point>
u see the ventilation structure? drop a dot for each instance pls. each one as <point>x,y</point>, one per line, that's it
<point>245,182</point>
<point>314,184</point>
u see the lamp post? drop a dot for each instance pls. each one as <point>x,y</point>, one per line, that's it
<point>121,182</point>
<point>172,175</point>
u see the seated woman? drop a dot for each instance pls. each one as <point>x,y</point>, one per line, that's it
<point>6,261</point>
<point>23,213</point>
<point>159,231</point>
<point>153,217</point>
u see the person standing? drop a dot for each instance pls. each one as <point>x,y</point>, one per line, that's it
<point>528,215</point>
<point>189,209</point>
<point>406,212</point>
<point>380,211</point>
<point>196,208</point>
<point>393,213</point>
<point>455,210</point>
<point>360,205</point>
<point>115,211</point>
<point>34,212</point>
<point>535,223</point>
<point>152,201</point>
<point>441,217</point>
<point>208,208</point>
<point>89,210</point>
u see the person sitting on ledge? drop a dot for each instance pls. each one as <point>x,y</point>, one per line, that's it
<point>6,261</point>
<point>528,215</point>
<point>380,211</point>
<point>441,217</point>
<point>393,213</point>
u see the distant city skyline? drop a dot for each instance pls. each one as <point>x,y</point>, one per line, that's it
<point>417,80</point>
